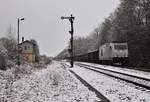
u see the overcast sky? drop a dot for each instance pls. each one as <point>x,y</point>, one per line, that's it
<point>42,19</point>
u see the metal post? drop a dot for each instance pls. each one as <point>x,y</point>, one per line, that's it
<point>18,57</point>
<point>71,19</point>
<point>18,45</point>
<point>72,31</point>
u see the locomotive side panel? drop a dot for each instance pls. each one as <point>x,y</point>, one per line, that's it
<point>105,52</point>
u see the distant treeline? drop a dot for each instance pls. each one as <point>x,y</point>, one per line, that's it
<point>130,23</point>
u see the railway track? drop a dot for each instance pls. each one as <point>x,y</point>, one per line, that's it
<point>90,87</point>
<point>136,80</point>
<point>138,68</point>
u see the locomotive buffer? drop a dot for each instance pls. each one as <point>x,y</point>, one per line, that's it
<point>71,19</point>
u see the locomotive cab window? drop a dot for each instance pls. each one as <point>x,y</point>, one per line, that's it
<point>120,47</point>
<point>101,52</point>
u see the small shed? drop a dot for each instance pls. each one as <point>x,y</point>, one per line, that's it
<point>28,50</point>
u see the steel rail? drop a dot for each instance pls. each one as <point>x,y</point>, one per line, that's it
<point>90,87</point>
<point>129,81</point>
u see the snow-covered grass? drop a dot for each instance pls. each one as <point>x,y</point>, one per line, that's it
<point>8,77</point>
<point>51,84</point>
<point>115,90</point>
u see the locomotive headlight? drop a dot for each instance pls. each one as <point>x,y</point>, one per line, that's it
<point>121,51</point>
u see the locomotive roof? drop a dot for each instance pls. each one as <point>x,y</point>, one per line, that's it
<point>118,42</point>
<point>114,43</point>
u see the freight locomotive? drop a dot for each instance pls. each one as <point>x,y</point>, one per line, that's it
<point>109,53</point>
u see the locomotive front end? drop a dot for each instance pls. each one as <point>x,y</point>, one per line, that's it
<point>120,53</point>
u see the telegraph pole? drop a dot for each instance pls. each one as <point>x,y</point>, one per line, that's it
<point>18,58</point>
<point>71,19</point>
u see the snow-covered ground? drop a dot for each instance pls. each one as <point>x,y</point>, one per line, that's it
<point>115,90</point>
<point>51,84</point>
<point>122,70</point>
<point>124,74</point>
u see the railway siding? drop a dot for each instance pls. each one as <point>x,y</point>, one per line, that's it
<point>99,95</point>
<point>138,81</point>
<point>112,88</point>
<point>90,87</point>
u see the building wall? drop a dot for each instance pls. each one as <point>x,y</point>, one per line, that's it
<point>28,51</point>
<point>29,57</point>
<point>27,47</point>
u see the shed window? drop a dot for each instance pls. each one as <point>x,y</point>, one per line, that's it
<point>25,47</point>
<point>101,52</point>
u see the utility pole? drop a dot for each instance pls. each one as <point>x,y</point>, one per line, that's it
<point>18,58</point>
<point>71,19</point>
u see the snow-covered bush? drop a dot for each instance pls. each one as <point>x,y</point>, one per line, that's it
<point>2,62</point>
<point>45,60</point>
<point>3,55</point>
<point>10,64</point>
<point>6,81</point>
<point>56,78</point>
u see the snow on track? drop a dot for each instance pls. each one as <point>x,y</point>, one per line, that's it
<point>138,81</point>
<point>122,70</point>
<point>113,89</point>
<point>53,84</point>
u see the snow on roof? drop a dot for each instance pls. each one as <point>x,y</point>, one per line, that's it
<point>27,41</point>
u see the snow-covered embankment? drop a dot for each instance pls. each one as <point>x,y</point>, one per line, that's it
<point>53,84</point>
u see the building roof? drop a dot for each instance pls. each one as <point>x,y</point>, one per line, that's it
<point>26,41</point>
